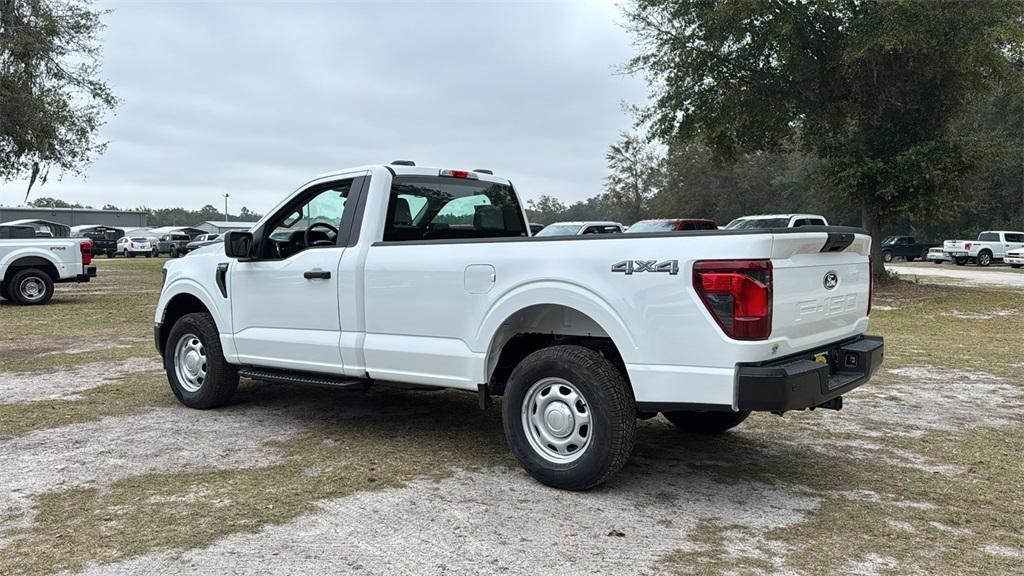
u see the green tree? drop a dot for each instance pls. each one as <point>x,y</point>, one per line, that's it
<point>636,174</point>
<point>873,88</point>
<point>52,101</point>
<point>47,202</point>
<point>545,210</point>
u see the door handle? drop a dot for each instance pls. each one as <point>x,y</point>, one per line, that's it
<point>317,275</point>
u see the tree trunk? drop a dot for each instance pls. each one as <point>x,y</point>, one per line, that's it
<point>872,222</point>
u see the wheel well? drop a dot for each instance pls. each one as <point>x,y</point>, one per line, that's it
<point>983,250</point>
<point>179,306</point>
<point>537,327</point>
<point>32,262</point>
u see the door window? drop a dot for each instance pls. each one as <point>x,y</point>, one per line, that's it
<point>316,222</point>
<point>1015,237</point>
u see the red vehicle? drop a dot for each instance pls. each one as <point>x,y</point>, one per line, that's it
<point>672,225</point>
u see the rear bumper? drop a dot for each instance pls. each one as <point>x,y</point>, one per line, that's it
<point>90,273</point>
<point>799,382</point>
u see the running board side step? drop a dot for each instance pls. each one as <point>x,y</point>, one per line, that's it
<point>280,376</point>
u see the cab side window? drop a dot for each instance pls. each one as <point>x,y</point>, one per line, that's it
<point>315,222</point>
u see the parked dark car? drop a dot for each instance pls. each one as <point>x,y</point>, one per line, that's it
<point>672,225</point>
<point>173,244</point>
<point>534,228</point>
<point>203,240</point>
<point>104,240</point>
<point>905,247</point>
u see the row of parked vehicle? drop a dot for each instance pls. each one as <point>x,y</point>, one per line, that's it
<point>991,246</point>
<point>111,242</point>
<point>760,222</point>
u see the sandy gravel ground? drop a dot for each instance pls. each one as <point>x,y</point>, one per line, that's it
<point>964,274</point>
<point>18,387</point>
<point>501,522</point>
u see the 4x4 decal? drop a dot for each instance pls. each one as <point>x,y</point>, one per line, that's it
<point>630,266</point>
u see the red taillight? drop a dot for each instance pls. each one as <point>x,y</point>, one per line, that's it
<point>86,248</point>
<point>871,281</point>
<point>967,246</point>
<point>738,294</point>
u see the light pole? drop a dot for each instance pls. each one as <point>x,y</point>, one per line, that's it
<point>226,217</point>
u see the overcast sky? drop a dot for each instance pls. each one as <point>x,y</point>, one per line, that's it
<point>254,98</point>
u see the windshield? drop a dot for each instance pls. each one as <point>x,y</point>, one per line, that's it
<point>652,226</point>
<point>559,230</point>
<point>889,240</point>
<point>757,223</point>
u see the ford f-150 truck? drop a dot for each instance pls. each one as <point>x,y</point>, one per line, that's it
<point>29,267</point>
<point>428,277</point>
<point>991,245</point>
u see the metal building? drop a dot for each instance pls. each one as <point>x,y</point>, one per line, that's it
<point>77,216</point>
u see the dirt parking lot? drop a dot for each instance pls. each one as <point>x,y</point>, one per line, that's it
<point>103,472</point>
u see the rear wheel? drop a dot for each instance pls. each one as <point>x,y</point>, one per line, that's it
<point>174,251</point>
<point>569,416</point>
<point>3,291</point>
<point>886,256</point>
<point>111,253</point>
<point>984,258</point>
<point>199,375</point>
<point>30,287</point>
<point>706,422</point>
<point>960,260</point>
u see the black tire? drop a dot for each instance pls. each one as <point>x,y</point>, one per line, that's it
<point>1014,265</point>
<point>174,252</point>
<point>886,256</point>
<point>111,253</point>
<point>984,258</point>
<point>221,378</point>
<point>706,422</point>
<point>3,291</point>
<point>30,287</point>
<point>936,261</point>
<point>960,261</point>
<point>607,402</point>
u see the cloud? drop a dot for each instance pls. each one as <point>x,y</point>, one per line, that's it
<point>254,98</point>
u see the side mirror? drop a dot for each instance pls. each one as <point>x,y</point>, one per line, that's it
<point>238,244</point>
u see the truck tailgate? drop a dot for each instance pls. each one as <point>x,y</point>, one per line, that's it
<point>821,287</point>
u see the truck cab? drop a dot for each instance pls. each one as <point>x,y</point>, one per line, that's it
<point>429,277</point>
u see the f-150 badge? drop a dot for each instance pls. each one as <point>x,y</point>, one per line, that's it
<point>628,267</point>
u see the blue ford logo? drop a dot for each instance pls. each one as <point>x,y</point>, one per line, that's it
<point>830,281</point>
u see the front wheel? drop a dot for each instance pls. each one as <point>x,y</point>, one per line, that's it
<point>569,417</point>
<point>174,252</point>
<point>887,256</point>
<point>1014,265</point>
<point>199,375</point>
<point>706,422</point>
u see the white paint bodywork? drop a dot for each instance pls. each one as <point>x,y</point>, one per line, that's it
<point>998,248</point>
<point>63,253</point>
<point>439,313</point>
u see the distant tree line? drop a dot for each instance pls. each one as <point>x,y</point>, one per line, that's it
<point>161,216</point>
<point>898,116</point>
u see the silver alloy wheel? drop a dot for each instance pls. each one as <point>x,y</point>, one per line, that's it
<point>190,362</point>
<point>32,288</point>
<point>556,420</point>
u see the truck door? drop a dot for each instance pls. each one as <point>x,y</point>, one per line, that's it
<point>284,302</point>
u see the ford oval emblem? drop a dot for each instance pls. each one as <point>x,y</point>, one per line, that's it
<point>830,281</point>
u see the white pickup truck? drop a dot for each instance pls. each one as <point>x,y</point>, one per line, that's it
<point>30,266</point>
<point>429,277</point>
<point>990,246</point>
